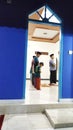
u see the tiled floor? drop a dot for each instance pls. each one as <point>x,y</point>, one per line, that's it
<point>45,95</point>
<point>26,122</point>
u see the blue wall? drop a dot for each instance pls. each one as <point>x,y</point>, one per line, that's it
<point>13,46</point>
<point>67,67</point>
<point>13,50</point>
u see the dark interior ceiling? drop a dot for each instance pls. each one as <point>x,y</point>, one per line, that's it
<point>16,13</point>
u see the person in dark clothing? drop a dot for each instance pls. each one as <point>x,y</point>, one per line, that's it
<point>52,66</point>
<point>32,71</point>
<point>36,62</point>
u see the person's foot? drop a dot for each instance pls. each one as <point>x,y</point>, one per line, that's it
<point>50,84</point>
<point>55,84</point>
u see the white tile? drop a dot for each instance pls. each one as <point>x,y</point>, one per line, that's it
<point>17,123</point>
<point>45,95</point>
<point>26,122</point>
<point>39,120</point>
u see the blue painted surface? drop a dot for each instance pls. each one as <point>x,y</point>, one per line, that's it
<point>67,67</point>
<point>12,62</point>
<point>60,67</point>
<point>72,73</point>
<point>25,63</point>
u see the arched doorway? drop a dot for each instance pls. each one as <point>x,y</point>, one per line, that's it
<point>49,26</point>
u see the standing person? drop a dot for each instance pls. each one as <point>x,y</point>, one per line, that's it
<point>52,66</point>
<point>32,71</point>
<point>36,62</point>
<point>37,75</point>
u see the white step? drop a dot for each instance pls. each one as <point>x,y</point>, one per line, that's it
<point>60,118</point>
<point>31,108</point>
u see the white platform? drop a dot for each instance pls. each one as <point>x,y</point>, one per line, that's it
<point>32,121</point>
<point>60,118</point>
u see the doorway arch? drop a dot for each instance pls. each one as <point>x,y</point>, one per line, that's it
<point>45,15</point>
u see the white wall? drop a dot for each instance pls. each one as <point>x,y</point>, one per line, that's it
<point>44,47</point>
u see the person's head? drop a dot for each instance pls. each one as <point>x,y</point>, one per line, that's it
<point>52,56</point>
<point>41,64</point>
<point>34,57</point>
<point>38,53</point>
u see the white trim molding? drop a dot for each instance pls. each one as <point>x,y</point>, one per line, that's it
<point>66,100</point>
<point>10,101</point>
